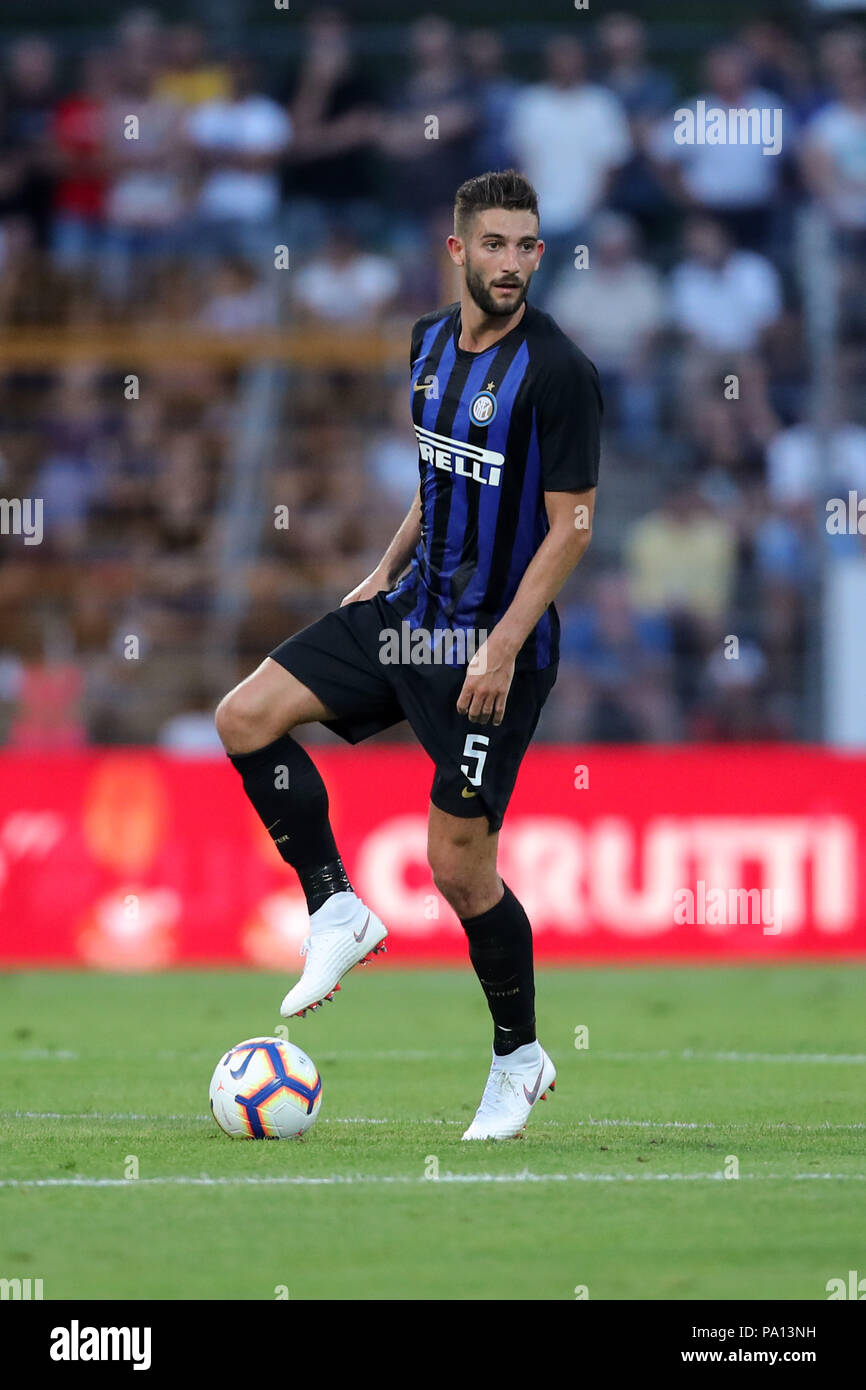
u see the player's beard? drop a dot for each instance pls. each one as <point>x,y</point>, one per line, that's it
<point>484,298</point>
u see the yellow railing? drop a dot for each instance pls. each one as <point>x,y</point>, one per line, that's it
<point>322,348</point>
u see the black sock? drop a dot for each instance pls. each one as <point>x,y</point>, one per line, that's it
<point>284,785</point>
<point>500,948</point>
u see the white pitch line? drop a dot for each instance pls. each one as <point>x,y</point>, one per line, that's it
<point>40,1054</point>
<point>89,1115</point>
<point>712,1124</point>
<point>690,1055</point>
<point>200,1118</point>
<point>464,1054</point>
<point>381,1179</point>
<point>592,1122</point>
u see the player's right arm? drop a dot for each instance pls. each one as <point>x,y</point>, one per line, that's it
<point>395,559</point>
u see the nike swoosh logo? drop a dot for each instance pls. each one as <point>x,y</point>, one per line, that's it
<point>467,793</point>
<point>236,1075</point>
<point>359,935</point>
<point>531,1095</point>
<point>422,386</point>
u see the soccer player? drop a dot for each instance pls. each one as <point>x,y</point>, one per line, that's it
<point>507,414</point>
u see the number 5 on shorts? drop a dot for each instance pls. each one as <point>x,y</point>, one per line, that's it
<point>475,747</point>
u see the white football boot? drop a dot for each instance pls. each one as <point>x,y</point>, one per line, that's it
<point>514,1085</point>
<point>343,933</point>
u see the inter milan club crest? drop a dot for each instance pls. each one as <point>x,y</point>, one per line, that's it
<point>482,407</point>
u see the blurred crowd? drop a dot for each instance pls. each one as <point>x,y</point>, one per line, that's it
<point>148,181</point>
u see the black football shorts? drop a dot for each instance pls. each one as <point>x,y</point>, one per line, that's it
<point>339,658</point>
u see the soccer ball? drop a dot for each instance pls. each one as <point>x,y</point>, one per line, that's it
<point>265,1088</point>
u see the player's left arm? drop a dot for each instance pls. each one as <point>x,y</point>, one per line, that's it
<point>568,407</point>
<point>489,674</point>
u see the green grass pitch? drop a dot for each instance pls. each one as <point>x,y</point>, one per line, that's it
<point>618,1186</point>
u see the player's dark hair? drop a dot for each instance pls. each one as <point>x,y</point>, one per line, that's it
<point>504,189</point>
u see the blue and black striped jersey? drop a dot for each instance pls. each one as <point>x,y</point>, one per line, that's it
<point>496,430</point>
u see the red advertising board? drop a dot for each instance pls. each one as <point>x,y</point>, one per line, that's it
<point>131,859</point>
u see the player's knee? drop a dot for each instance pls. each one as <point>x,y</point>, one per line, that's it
<point>239,721</point>
<point>455,891</point>
<point>462,886</point>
